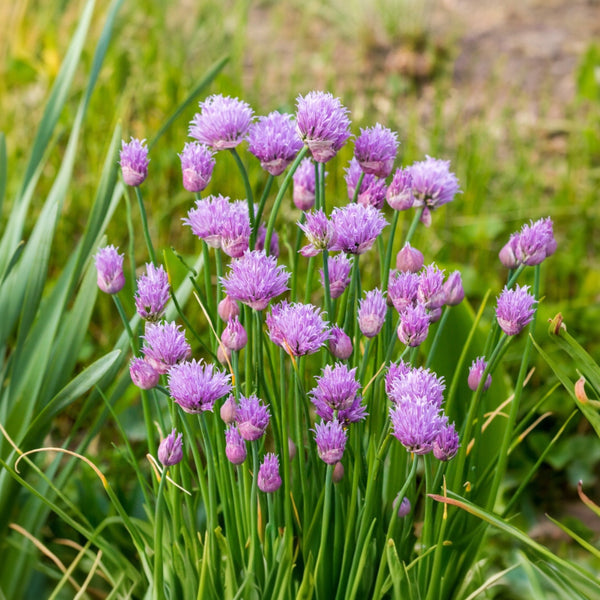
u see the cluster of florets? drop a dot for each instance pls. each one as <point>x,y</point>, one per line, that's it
<point>530,246</point>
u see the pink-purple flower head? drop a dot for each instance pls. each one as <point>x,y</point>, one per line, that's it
<point>409,259</point>
<point>109,265</point>
<point>143,374</point>
<point>134,161</point>
<point>433,184</point>
<point>235,229</point>
<point>196,386</point>
<point>298,328</point>
<point>375,150</point>
<point>340,344</point>
<point>255,279</point>
<point>446,444</point>
<point>222,122</point>
<point>170,450</point>
<point>402,289</point>
<point>252,417</point>
<point>319,231</point>
<point>476,370</point>
<point>235,446</point>
<point>371,313</point>
<point>399,194</point>
<point>207,217</point>
<point>337,387</point>
<point>515,309</point>
<point>431,293</point>
<point>416,425</point>
<point>331,441</point>
<point>323,124</point>
<point>414,325</point>
<point>197,164</point>
<point>530,246</point>
<point>407,384</point>
<point>164,346</point>
<point>338,267</point>
<point>356,228</point>
<point>274,141</point>
<point>372,190</point>
<point>353,414</point>
<point>304,185</point>
<point>152,292</point>
<point>453,289</point>
<point>269,480</point>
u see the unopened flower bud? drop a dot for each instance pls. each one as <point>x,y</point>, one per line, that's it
<point>228,410</point>
<point>340,344</point>
<point>143,374</point>
<point>403,507</point>
<point>170,450</point>
<point>338,472</point>
<point>228,308</point>
<point>409,259</point>
<point>453,288</point>
<point>234,336</point>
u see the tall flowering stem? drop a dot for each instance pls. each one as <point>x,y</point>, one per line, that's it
<point>320,565</point>
<point>261,208</point>
<point>145,228</point>
<point>328,302</point>
<point>247,186</point>
<point>414,224</point>
<point>158,592</point>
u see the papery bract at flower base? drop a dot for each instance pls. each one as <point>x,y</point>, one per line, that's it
<point>228,410</point>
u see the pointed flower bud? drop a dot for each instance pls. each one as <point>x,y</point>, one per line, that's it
<point>409,259</point>
<point>109,264</point>
<point>134,161</point>
<point>476,372</point>
<point>170,450</point>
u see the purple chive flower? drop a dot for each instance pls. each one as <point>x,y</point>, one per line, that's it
<point>298,328</point>
<point>432,182</point>
<point>235,229</point>
<point>530,246</point>
<point>453,289</point>
<point>445,445</point>
<point>255,279</point>
<point>409,259</point>
<point>252,417</point>
<point>356,228</point>
<point>430,292</point>
<point>197,164</point>
<point>407,384</point>
<point>222,122</point>
<point>399,194</point>
<point>416,425</point>
<point>235,446</point>
<point>205,220</point>
<point>375,150</point>
<point>274,141</point>
<point>402,289</point>
<point>134,161</point>
<point>152,292</point>
<point>354,413</point>
<point>340,344</point>
<point>228,308</point>
<point>170,450</point>
<point>331,441</point>
<point>395,372</point>
<point>414,325</point>
<point>403,507</point>
<point>304,185</point>
<point>164,346</point>
<point>508,254</point>
<point>371,313</point>
<point>476,373</point>
<point>261,238</point>
<point>234,335</point>
<point>338,267</point>
<point>323,124</point>
<point>143,374</point>
<point>319,231</point>
<point>228,410</point>
<point>372,190</point>
<point>109,264</point>
<point>196,386</point>
<point>269,480</point>
<point>337,387</point>
<point>515,309</point>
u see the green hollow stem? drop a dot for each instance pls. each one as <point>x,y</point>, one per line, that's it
<point>328,302</point>
<point>390,249</point>
<point>358,186</point>
<point>437,337</point>
<point>247,186</point>
<point>121,311</point>
<point>158,591</point>
<point>261,208</point>
<point>145,228</point>
<point>321,183</point>
<point>254,540</point>
<point>414,224</point>
<point>320,573</point>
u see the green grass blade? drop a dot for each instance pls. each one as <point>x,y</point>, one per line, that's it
<point>3,170</point>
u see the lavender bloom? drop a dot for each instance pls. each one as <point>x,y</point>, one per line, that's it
<point>409,259</point>
<point>109,264</point>
<point>235,446</point>
<point>228,308</point>
<point>430,292</point>
<point>372,190</point>
<point>432,182</point>
<point>415,385</point>
<point>530,246</point>
<point>298,328</point>
<point>252,417</point>
<point>331,441</point>
<point>222,122</point>
<point>515,309</point>
<point>323,124</point>
<point>354,413</point>
<point>356,228</point>
<point>142,374</point>
<point>508,254</point>
<point>403,507</point>
<point>196,386</point>
<point>399,194</point>
<point>337,387</point>
<point>416,425</point>
<point>170,450</point>
<point>261,237</point>
<point>445,445</point>
<point>402,289</point>
<point>319,232</point>
<point>371,313</point>
<point>395,372</point>
<point>338,267</point>
<point>269,480</point>
<point>375,149</point>
<point>197,164</point>
<point>454,292</point>
<point>304,185</point>
<point>340,344</point>
<point>235,229</point>
<point>228,410</point>
<point>164,346</point>
<point>152,293</point>
<point>134,161</point>
<point>205,220</point>
<point>274,141</point>
<point>255,279</point>
<point>234,335</point>
<point>414,325</point>
<point>476,373</point>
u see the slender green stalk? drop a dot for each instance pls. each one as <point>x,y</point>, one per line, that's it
<point>414,224</point>
<point>247,186</point>
<point>320,568</point>
<point>358,186</point>
<point>437,337</point>
<point>261,208</point>
<point>125,320</point>
<point>145,229</point>
<point>158,591</point>
<point>328,303</point>
<point>389,250</point>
